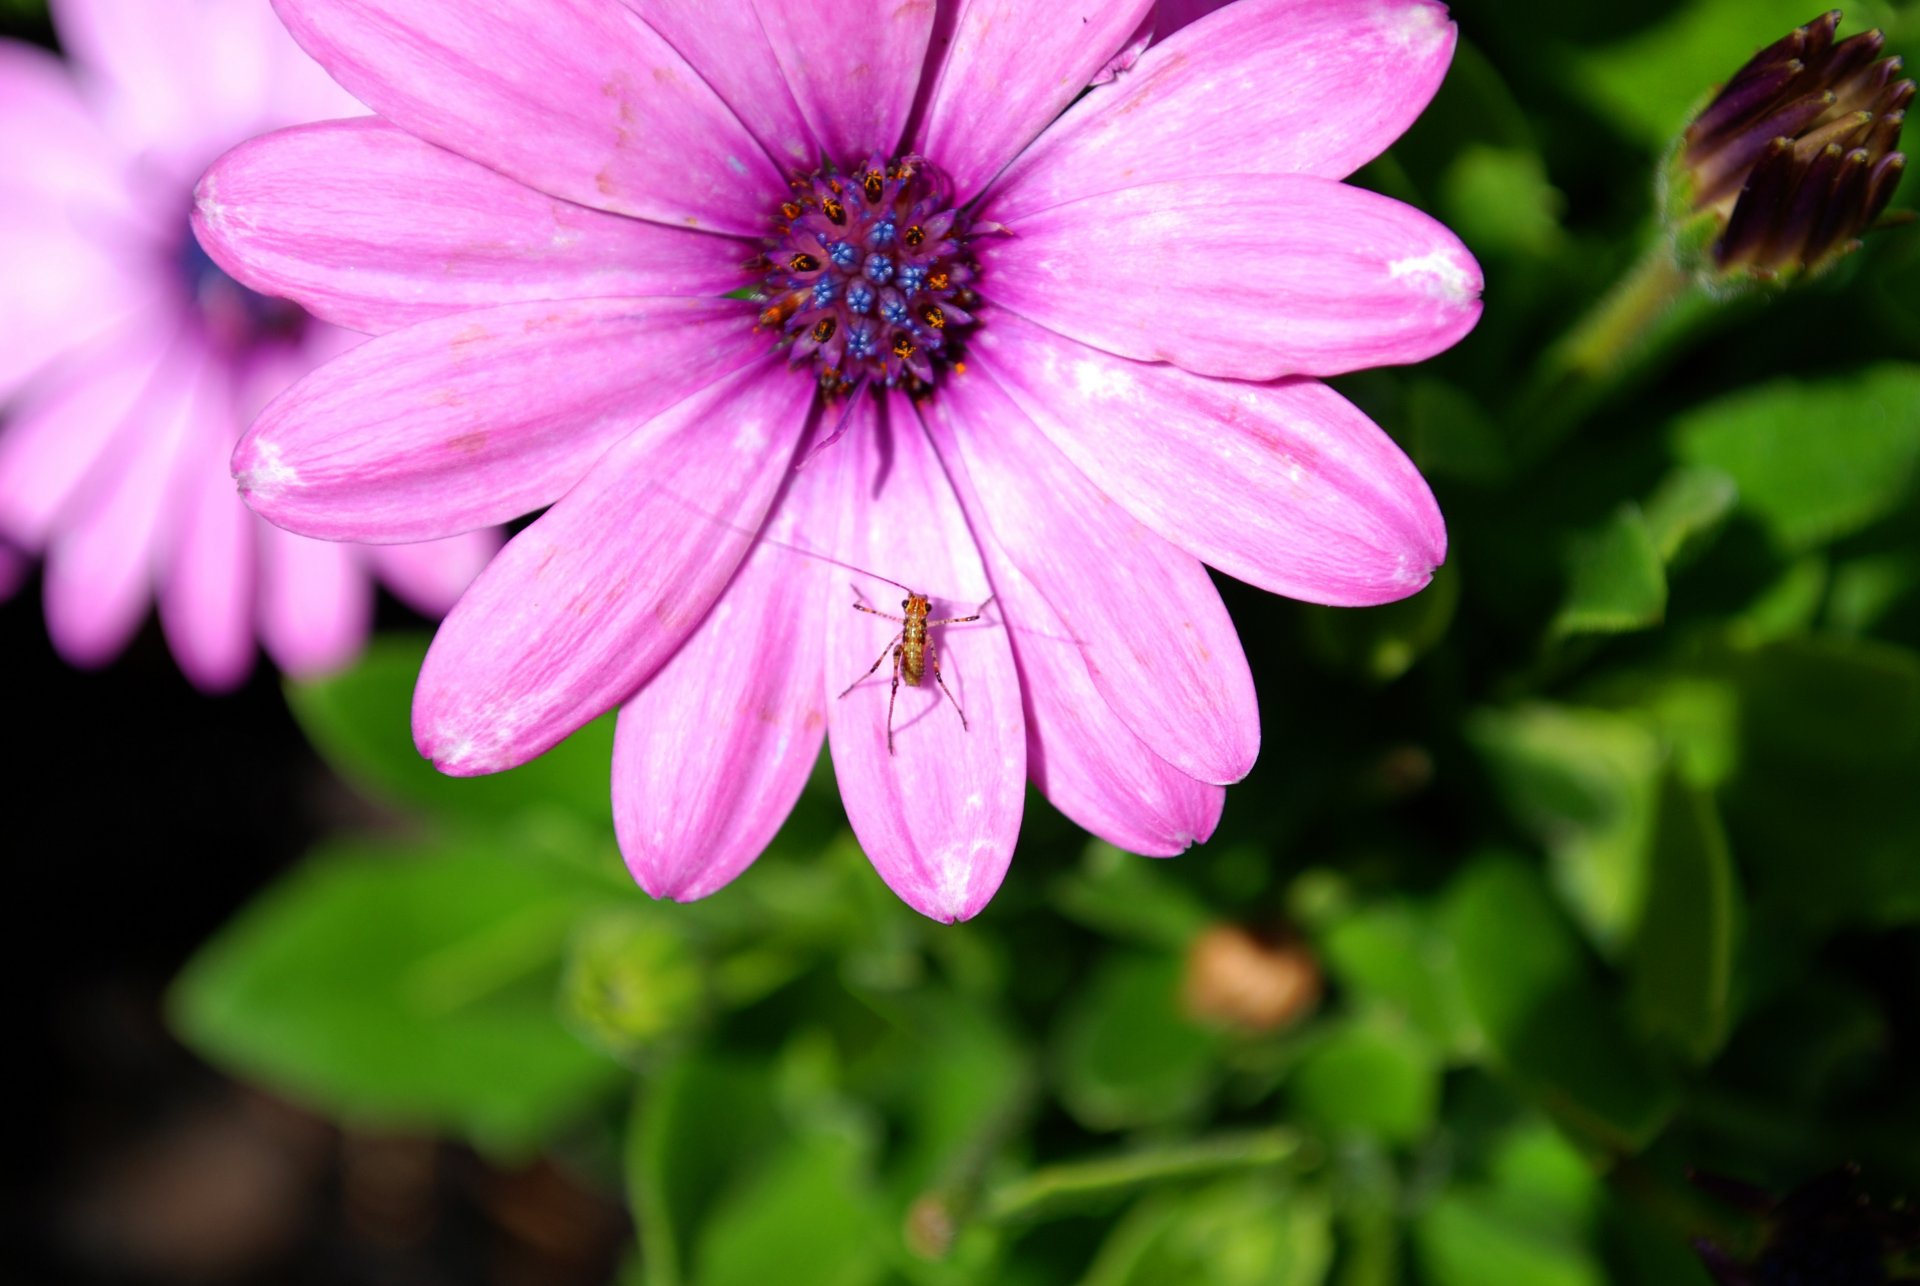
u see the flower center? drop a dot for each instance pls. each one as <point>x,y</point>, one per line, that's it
<point>233,316</point>
<point>868,275</point>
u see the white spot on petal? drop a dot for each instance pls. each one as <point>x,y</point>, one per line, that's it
<point>1440,273</point>
<point>270,474</point>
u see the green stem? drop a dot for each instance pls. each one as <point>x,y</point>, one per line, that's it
<point>1073,1182</point>
<point>1650,309</point>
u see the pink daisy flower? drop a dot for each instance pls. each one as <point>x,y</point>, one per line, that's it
<point>1063,352</point>
<point>131,363</point>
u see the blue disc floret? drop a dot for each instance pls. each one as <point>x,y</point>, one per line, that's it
<point>868,275</point>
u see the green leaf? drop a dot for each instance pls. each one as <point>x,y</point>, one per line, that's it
<point>1617,579</point>
<point>1687,508</point>
<point>1125,1055</point>
<point>1544,1017</point>
<point>631,982</point>
<point>1254,1231</point>
<point>700,1120</point>
<point>1371,1080</point>
<point>360,720</point>
<point>1681,964</point>
<point>402,991</point>
<point>1814,461</point>
<point>1826,804</point>
<point>1382,643</point>
<point>1466,1240</point>
<point>805,1216</point>
<point>1582,782</point>
<point>1646,84</point>
<point>1451,435</point>
<point>1499,200</point>
<point>1127,897</point>
<point>1390,958</point>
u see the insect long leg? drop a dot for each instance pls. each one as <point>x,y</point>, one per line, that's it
<point>891,696</point>
<point>947,620</point>
<point>862,607</point>
<point>876,665</point>
<point>933,660</point>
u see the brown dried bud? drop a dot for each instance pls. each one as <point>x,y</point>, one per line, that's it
<point>1240,980</point>
<point>1794,158</point>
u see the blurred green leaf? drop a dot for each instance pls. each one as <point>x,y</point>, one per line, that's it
<point>969,1088</point>
<point>1681,964</point>
<point>1252,1231</point>
<point>1450,435</point>
<point>1689,505</point>
<point>701,1120</point>
<point>1866,589</point>
<point>1120,895</point>
<point>631,981</point>
<point>1125,1055</point>
<point>1499,200</point>
<point>806,1215</point>
<point>1382,643</point>
<point>1465,1240</point>
<point>1826,806</point>
<point>1390,957</point>
<point>1545,1018</point>
<point>1617,579</point>
<point>1814,461</point>
<point>1583,783</point>
<point>1370,1080</point>
<point>360,719</point>
<point>1646,85</point>
<point>403,991</point>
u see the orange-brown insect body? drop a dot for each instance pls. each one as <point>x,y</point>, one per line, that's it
<point>913,639</point>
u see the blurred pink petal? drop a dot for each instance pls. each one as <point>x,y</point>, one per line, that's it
<point>316,605</point>
<point>577,98</point>
<point>101,563</point>
<point>852,66</point>
<point>1087,762</point>
<point>577,612</point>
<point>60,436</point>
<point>13,570</point>
<point>937,817</point>
<point>726,44</point>
<point>1285,485</point>
<point>207,591</point>
<point>712,752</point>
<point>1301,276</point>
<point>1154,636</point>
<point>478,417</point>
<point>366,226</point>
<point>430,577</point>
<point>986,105</point>
<point>1264,87</point>
<point>1172,15</point>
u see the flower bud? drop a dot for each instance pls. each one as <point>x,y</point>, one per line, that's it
<point>1793,159</point>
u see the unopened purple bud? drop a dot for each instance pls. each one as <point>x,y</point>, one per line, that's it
<point>1793,159</point>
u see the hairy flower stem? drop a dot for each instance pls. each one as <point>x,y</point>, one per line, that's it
<point>1655,307</point>
<point>1074,1182</point>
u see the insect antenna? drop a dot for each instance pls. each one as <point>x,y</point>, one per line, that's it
<point>839,429</point>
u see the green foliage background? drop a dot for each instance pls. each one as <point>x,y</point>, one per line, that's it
<point>1606,843</point>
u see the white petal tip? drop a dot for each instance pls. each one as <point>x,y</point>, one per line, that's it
<point>1444,273</point>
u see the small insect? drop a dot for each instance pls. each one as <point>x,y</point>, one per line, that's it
<point>913,652</point>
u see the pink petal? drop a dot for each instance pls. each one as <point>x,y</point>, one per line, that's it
<point>1011,66</point>
<point>1087,762</point>
<point>206,583</point>
<point>1172,15</point>
<point>1263,87</point>
<point>577,98</point>
<point>939,816</point>
<point>711,754</point>
<point>67,427</point>
<point>1248,276</point>
<point>582,607</point>
<point>316,603</point>
<point>852,66</point>
<point>64,153</point>
<point>430,577</point>
<point>100,564</point>
<point>1153,633</point>
<point>473,419</point>
<point>726,44</point>
<point>366,226</point>
<point>1285,485</point>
